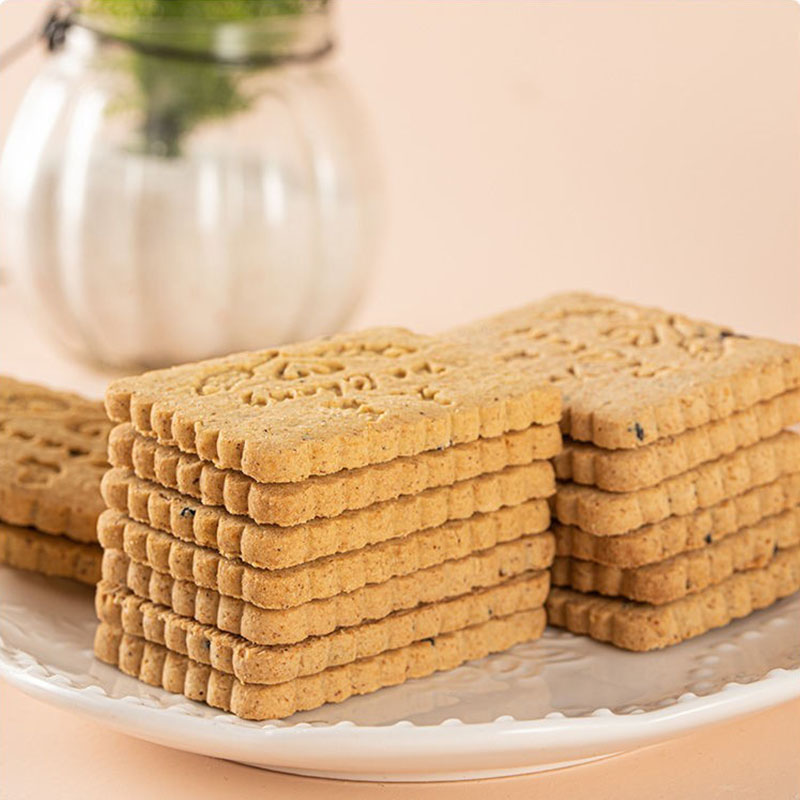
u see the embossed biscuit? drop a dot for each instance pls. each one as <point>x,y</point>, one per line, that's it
<point>56,556</point>
<point>340,402</point>
<point>629,470</point>
<point>326,495</point>
<point>319,617</point>
<point>252,663</point>
<point>327,576</point>
<point>686,573</point>
<point>613,513</point>
<point>274,547</point>
<point>641,626</point>
<point>158,666</point>
<point>260,588</point>
<point>676,535</point>
<point>630,374</point>
<point>52,456</point>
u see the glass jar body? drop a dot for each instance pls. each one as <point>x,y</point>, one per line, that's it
<point>162,211</point>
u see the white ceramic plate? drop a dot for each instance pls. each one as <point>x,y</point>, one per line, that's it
<point>559,701</point>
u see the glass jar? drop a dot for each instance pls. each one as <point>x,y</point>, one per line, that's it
<point>189,188</point>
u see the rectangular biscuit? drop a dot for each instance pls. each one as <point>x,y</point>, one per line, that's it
<point>319,617</point>
<point>641,626</point>
<point>686,573</point>
<point>251,663</point>
<point>629,470</point>
<point>675,535</point>
<point>274,547</point>
<point>631,375</point>
<point>157,666</point>
<point>613,513</point>
<point>52,456</point>
<point>340,402</point>
<point>288,504</point>
<point>325,577</point>
<point>49,554</point>
<point>257,587</point>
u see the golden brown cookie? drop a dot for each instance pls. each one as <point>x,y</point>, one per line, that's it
<point>275,547</point>
<point>613,513</point>
<point>52,456</point>
<point>288,504</point>
<point>686,573</point>
<point>630,374</point>
<point>157,666</point>
<point>340,402</point>
<point>325,577</point>
<point>251,663</point>
<point>319,617</point>
<point>56,556</point>
<point>629,470</point>
<point>640,626</point>
<point>676,535</point>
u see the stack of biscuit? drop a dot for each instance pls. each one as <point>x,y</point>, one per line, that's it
<point>296,526</point>
<point>677,501</point>
<point>52,457</point>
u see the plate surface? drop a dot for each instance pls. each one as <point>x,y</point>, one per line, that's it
<point>559,701</point>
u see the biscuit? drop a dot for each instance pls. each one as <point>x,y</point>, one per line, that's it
<point>687,573</point>
<point>640,626</point>
<point>274,547</point>
<point>611,513</point>
<point>340,402</point>
<point>629,470</point>
<point>250,663</point>
<point>157,666</point>
<point>319,617</point>
<point>52,456</point>
<point>631,375</point>
<point>55,556</point>
<point>325,577</point>
<point>676,535</point>
<point>288,504</point>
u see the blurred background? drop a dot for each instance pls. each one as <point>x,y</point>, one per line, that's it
<point>473,155</point>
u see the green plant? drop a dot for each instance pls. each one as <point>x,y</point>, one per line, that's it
<point>175,92</point>
<point>213,10</point>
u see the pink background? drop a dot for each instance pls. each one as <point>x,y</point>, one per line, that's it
<point>643,149</point>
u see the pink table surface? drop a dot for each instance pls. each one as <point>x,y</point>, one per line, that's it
<point>643,149</point>
<point>46,752</point>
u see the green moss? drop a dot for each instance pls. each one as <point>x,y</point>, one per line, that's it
<point>173,95</point>
<point>211,10</point>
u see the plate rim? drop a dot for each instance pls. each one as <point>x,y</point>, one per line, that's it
<point>384,751</point>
